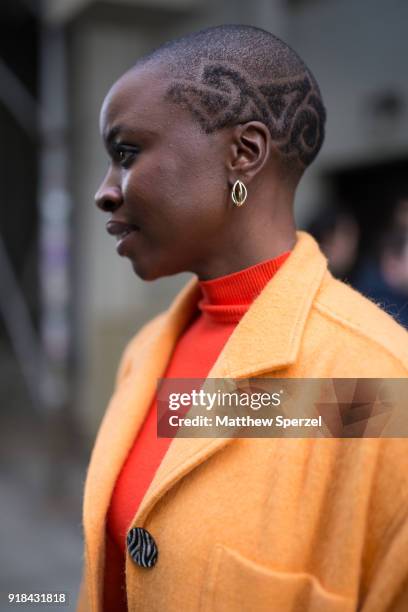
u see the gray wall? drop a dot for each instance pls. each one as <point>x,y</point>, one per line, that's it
<point>357,50</point>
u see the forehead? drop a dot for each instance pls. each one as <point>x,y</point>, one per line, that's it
<point>136,100</point>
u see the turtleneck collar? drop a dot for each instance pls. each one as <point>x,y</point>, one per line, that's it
<point>227,298</point>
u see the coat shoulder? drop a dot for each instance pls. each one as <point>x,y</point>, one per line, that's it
<point>362,320</point>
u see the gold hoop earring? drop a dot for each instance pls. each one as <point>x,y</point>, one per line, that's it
<point>239,193</point>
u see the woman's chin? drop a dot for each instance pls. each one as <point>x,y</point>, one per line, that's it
<point>142,272</point>
<point>149,272</point>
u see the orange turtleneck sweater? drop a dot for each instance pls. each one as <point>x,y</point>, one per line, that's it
<point>225,300</point>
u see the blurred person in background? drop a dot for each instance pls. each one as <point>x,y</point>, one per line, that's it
<point>337,233</point>
<point>383,275</point>
<point>401,213</point>
<point>208,137</point>
<point>394,261</point>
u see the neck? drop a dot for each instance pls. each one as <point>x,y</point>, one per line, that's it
<point>262,229</point>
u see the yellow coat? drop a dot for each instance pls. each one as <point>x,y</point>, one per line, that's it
<point>256,525</point>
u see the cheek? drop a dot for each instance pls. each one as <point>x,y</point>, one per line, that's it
<point>181,197</point>
<point>200,189</point>
<point>197,206</point>
<point>142,189</point>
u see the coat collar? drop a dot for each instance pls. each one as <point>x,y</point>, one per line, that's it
<point>270,332</point>
<point>269,336</point>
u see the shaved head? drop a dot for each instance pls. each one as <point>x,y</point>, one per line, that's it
<point>231,74</point>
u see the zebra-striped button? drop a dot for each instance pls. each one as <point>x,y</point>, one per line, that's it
<point>142,547</point>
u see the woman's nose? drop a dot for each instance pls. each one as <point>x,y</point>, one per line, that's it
<point>108,198</point>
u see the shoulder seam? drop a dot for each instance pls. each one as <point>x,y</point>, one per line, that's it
<point>346,323</point>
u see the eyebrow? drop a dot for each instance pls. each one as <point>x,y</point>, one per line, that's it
<point>112,133</point>
<point>110,136</point>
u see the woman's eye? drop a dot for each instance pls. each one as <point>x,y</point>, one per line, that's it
<point>122,156</point>
<point>125,156</point>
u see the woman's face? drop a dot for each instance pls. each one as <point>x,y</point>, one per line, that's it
<point>166,188</point>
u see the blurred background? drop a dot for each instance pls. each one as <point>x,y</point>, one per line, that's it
<point>68,303</point>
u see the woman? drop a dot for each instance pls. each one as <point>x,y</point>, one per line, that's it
<point>208,138</point>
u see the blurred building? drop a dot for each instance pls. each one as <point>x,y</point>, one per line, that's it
<point>357,51</point>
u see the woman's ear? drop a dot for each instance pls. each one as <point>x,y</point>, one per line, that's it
<point>249,150</point>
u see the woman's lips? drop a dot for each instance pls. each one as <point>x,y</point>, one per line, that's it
<point>120,228</point>
<point>123,232</point>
